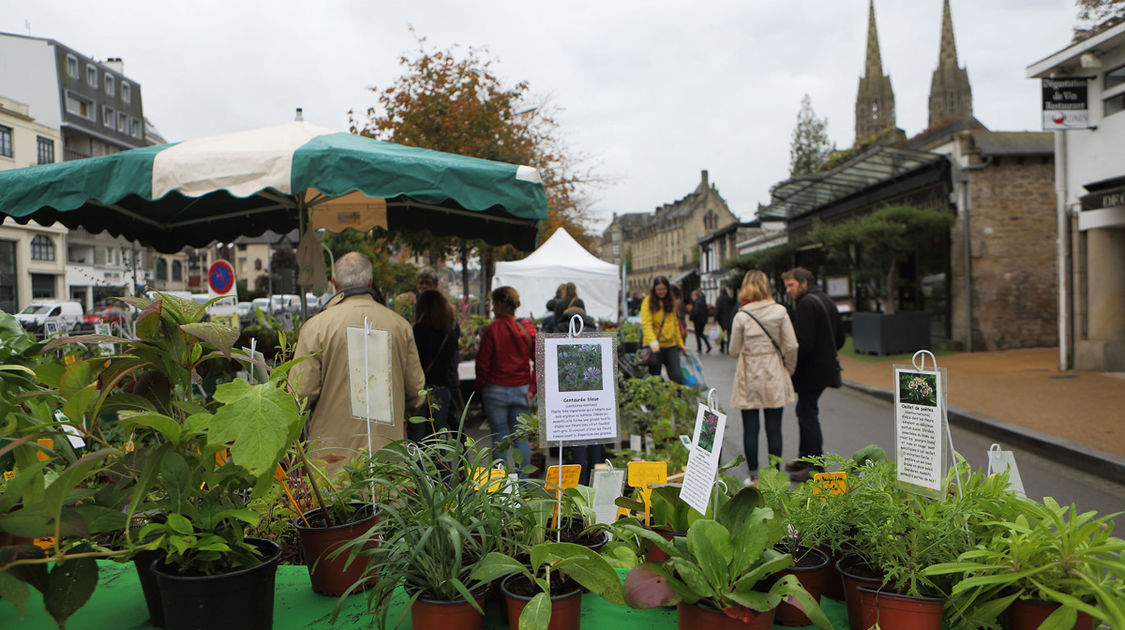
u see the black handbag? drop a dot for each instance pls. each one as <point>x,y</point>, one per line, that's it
<point>645,356</point>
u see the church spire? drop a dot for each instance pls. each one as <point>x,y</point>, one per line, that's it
<point>951,97</point>
<point>875,101</point>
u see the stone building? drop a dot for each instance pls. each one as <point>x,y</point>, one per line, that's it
<point>666,241</point>
<point>987,284</point>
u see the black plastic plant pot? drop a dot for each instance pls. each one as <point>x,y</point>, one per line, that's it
<point>240,599</point>
<point>143,561</point>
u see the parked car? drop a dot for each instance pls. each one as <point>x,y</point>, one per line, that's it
<point>246,313</point>
<point>112,315</point>
<point>261,303</point>
<point>35,315</point>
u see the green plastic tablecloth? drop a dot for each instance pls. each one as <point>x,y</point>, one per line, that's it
<point>118,603</point>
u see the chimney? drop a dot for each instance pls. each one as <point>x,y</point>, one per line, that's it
<point>116,64</point>
<point>300,115</point>
<point>704,177</point>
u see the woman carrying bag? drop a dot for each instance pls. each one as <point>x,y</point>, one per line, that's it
<point>661,328</point>
<point>763,340</point>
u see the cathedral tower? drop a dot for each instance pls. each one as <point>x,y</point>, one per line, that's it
<point>951,97</point>
<point>875,101</point>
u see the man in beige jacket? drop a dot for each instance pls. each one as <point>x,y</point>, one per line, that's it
<point>323,379</point>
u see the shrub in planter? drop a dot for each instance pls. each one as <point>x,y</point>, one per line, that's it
<point>704,566</point>
<point>1041,552</point>
<point>539,595</point>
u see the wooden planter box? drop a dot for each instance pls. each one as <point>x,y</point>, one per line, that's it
<point>876,333</point>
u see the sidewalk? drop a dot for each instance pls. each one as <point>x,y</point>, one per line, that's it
<point>1019,396</point>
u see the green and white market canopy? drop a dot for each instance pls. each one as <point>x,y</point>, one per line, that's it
<point>241,184</point>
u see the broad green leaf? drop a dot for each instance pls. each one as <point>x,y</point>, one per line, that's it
<point>741,505</point>
<point>15,591</point>
<point>768,567</point>
<point>180,524</point>
<point>166,426</point>
<point>536,614</point>
<point>799,598</point>
<point>221,337</point>
<point>176,479</point>
<point>148,321</point>
<point>693,577</point>
<point>256,421</point>
<point>588,568</point>
<point>14,489</point>
<point>100,519</point>
<point>710,543</point>
<point>751,537</point>
<point>754,600</point>
<point>69,585</point>
<point>651,536</point>
<point>248,516</point>
<point>79,402</point>
<point>494,565</point>
<point>75,474</point>
<point>1063,618</point>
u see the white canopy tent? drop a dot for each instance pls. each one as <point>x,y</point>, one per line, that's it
<point>557,261</point>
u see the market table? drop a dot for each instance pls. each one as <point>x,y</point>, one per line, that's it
<point>118,603</point>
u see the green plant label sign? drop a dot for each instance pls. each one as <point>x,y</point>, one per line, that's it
<point>919,420</point>
<point>578,389</point>
<point>703,457</point>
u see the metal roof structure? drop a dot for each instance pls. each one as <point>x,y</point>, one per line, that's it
<point>801,195</point>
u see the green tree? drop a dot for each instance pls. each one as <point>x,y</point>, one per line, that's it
<point>1097,15</point>
<point>810,146</point>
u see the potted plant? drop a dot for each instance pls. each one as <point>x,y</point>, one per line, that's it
<point>719,574</point>
<point>547,592</point>
<point>874,247</point>
<point>669,516</point>
<point>1046,564</point>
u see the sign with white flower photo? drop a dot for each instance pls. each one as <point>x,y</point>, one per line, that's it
<point>920,418</point>
<point>579,395</point>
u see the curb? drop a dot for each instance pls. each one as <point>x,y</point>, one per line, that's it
<point>1061,450</point>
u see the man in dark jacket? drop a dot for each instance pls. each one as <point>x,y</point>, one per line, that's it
<point>699,320</point>
<point>724,314</point>
<point>819,336</point>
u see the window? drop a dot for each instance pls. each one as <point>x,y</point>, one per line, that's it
<point>1115,77</point>
<point>1114,104</point>
<point>122,120</point>
<point>126,92</point>
<point>5,141</point>
<point>42,248</point>
<point>91,76</point>
<point>79,106</point>
<point>42,285</point>
<point>110,86</point>
<point>45,149</point>
<point>109,255</point>
<point>161,270</point>
<point>177,271</point>
<point>136,128</point>
<point>108,116</point>
<point>72,66</point>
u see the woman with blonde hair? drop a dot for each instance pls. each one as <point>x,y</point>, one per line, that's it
<point>762,338</point>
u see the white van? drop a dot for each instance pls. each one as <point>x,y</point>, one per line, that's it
<point>68,313</point>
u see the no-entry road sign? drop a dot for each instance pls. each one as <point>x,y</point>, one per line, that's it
<point>220,277</point>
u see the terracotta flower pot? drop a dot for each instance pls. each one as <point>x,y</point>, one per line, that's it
<point>330,572</point>
<point>833,586</point>
<point>566,608</point>
<point>852,581</point>
<point>703,617</point>
<point>811,578</point>
<point>1027,614</point>
<point>428,614</point>
<point>656,554</point>
<point>893,611</point>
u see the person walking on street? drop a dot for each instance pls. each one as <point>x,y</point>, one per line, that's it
<point>661,329</point>
<point>724,312</point>
<point>505,378</point>
<point>765,345</point>
<point>819,336</point>
<point>699,316</point>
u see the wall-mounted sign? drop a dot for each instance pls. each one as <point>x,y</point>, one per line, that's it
<point>1065,103</point>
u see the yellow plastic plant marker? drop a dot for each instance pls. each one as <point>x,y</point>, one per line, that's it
<point>9,475</point>
<point>491,479</point>
<point>46,542</point>
<point>45,443</point>
<point>831,483</point>
<point>570,475</point>
<point>641,474</point>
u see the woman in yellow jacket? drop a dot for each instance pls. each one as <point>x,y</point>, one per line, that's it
<point>661,328</point>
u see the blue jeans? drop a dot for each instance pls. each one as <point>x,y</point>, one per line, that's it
<point>501,405</point>
<point>585,456</point>
<point>442,400</point>
<point>670,360</point>
<point>750,435</point>
<point>808,424</point>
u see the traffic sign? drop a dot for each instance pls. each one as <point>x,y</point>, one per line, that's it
<point>220,277</point>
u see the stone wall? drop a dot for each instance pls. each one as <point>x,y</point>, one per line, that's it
<point>1014,257</point>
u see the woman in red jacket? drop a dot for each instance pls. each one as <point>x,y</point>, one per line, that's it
<point>505,378</point>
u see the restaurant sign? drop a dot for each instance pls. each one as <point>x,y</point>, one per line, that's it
<point>1065,103</point>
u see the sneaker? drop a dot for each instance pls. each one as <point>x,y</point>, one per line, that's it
<point>750,481</point>
<point>793,467</point>
<point>801,476</point>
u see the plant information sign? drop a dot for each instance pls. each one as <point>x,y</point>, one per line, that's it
<point>919,422</point>
<point>369,374</point>
<point>579,393</point>
<point>703,458</point>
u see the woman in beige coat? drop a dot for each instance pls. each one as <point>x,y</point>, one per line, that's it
<point>762,338</point>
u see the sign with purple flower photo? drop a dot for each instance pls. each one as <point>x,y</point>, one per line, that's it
<point>920,451</point>
<point>703,458</point>
<point>579,395</point>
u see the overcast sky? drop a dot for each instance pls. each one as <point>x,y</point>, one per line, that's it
<point>651,92</point>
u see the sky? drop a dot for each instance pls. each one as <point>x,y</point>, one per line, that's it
<point>649,93</point>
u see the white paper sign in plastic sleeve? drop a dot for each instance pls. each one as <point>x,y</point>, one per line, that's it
<point>369,385</point>
<point>703,460</point>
